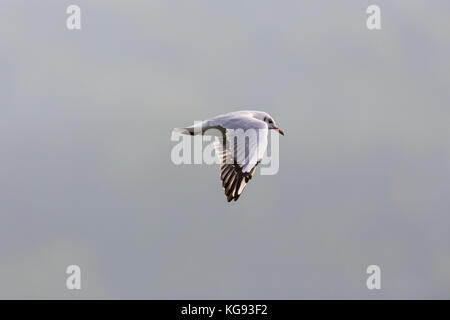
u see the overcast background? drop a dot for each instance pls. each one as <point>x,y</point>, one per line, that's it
<point>85,170</point>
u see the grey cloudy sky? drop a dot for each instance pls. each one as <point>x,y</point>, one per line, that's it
<point>85,170</point>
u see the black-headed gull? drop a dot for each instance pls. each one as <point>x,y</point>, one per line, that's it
<point>241,140</point>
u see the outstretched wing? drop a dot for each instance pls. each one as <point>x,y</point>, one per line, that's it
<point>240,150</point>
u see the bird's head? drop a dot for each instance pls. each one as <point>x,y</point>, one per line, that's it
<point>269,120</point>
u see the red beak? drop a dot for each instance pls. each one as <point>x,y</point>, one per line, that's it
<point>280,131</point>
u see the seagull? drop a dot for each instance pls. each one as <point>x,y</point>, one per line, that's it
<point>238,156</point>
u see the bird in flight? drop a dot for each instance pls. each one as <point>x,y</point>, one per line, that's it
<point>241,140</point>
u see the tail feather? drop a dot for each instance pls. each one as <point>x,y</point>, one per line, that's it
<point>188,130</point>
<point>201,128</point>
